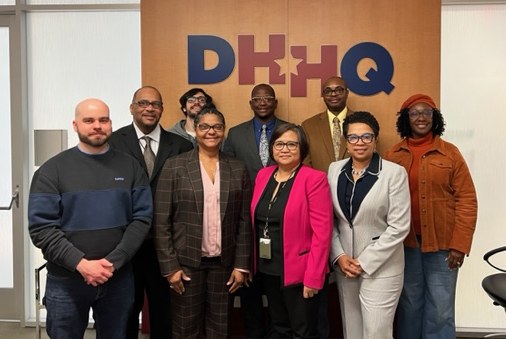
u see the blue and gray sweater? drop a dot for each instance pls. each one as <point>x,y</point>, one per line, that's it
<point>89,206</point>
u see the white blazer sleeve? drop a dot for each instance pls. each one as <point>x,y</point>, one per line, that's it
<point>398,224</point>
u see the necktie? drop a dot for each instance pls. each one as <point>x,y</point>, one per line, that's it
<point>149,155</point>
<point>263,149</point>
<point>336,137</point>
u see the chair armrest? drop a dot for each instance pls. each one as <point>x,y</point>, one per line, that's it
<point>491,253</point>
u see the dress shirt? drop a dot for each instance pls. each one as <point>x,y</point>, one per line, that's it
<point>257,126</point>
<point>340,116</point>
<point>154,135</point>
<point>211,232</point>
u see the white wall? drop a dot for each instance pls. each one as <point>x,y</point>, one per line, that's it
<point>473,78</point>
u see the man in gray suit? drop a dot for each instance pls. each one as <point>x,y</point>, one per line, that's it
<point>249,142</point>
<point>244,141</point>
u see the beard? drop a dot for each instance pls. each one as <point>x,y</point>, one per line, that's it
<point>97,143</point>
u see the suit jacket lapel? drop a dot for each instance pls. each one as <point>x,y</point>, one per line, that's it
<point>324,128</point>
<point>132,142</point>
<point>196,181</point>
<point>225,183</point>
<point>342,181</point>
<point>164,150</point>
<point>251,141</point>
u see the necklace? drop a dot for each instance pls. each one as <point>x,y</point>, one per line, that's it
<point>362,171</point>
<point>289,177</point>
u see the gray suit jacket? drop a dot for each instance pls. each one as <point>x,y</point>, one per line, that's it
<point>375,234</point>
<point>241,144</point>
<point>178,219</point>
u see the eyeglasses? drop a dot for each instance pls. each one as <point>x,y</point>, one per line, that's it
<point>267,99</point>
<point>415,114</point>
<point>291,145</point>
<point>366,138</point>
<point>206,127</point>
<point>201,100</point>
<point>146,103</point>
<point>329,91</point>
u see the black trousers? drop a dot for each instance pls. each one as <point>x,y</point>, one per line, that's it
<point>252,308</point>
<point>147,278</point>
<point>292,316</point>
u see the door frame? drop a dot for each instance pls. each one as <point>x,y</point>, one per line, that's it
<point>13,302</point>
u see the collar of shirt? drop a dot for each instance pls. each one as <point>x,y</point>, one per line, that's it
<point>154,135</point>
<point>341,117</point>
<point>373,169</point>
<point>88,153</point>
<point>257,126</point>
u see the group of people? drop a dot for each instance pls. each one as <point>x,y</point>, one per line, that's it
<point>192,218</point>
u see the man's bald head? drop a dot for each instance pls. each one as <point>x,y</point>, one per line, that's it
<point>91,104</point>
<point>92,125</point>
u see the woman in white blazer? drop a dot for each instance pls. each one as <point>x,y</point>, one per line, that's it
<point>372,211</point>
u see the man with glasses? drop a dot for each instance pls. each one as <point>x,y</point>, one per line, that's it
<point>249,142</point>
<point>326,145</point>
<point>151,145</point>
<point>324,130</point>
<point>192,103</point>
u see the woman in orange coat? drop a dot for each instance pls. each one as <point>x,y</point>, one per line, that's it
<point>443,213</point>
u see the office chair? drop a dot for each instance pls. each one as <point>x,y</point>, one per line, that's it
<point>495,285</point>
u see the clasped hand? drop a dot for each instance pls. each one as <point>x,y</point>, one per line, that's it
<point>95,272</point>
<point>350,267</point>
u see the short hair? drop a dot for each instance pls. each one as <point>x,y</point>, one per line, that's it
<point>192,92</point>
<point>363,118</point>
<point>404,129</point>
<point>208,110</point>
<point>281,129</point>
<point>147,86</point>
<point>267,86</point>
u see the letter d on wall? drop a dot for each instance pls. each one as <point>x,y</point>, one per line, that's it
<point>197,45</point>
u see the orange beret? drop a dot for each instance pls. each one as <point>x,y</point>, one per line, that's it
<point>416,99</point>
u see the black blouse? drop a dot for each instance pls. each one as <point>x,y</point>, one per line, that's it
<point>273,266</point>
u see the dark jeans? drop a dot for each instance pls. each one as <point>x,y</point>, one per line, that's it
<point>68,303</point>
<point>148,278</point>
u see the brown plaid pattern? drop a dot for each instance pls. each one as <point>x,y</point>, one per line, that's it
<point>206,298</point>
<point>178,222</point>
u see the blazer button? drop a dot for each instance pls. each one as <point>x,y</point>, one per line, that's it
<point>424,210</point>
<point>423,196</point>
<point>423,182</point>
<point>424,225</point>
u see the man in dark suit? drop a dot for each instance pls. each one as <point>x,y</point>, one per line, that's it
<point>249,142</point>
<point>151,145</point>
<point>324,130</point>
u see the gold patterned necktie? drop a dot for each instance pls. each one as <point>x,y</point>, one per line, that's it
<point>336,137</point>
<point>263,149</point>
<point>149,155</point>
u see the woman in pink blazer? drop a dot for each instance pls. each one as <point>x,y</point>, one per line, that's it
<point>292,213</point>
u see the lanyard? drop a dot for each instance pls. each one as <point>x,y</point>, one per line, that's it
<point>280,186</point>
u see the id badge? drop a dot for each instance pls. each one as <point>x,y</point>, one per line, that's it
<point>265,248</point>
